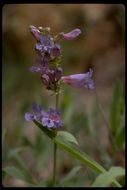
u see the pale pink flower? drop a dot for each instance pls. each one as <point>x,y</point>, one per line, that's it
<point>80,80</point>
<point>70,35</point>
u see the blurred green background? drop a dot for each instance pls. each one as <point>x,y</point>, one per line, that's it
<point>96,118</point>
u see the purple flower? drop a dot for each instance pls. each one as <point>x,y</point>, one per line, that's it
<point>35,32</point>
<point>50,119</point>
<point>29,117</point>
<point>46,40</point>
<point>70,35</point>
<point>80,80</point>
<point>55,51</point>
<point>35,69</point>
<point>51,78</point>
<point>47,122</point>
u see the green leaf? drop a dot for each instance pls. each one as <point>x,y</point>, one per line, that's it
<point>120,139</point>
<point>12,171</point>
<point>78,154</point>
<point>106,178</point>
<point>67,137</point>
<point>71,174</point>
<point>73,150</point>
<point>14,154</point>
<point>19,173</point>
<point>116,110</point>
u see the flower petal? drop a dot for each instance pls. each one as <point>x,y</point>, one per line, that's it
<point>34,69</point>
<point>35,32</point>
<point>36,108</point>
<point>46,122</point>
<point>71,35</point>
<point>29,117</point>
<point>55,51</point>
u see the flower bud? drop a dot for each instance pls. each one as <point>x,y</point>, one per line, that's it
<point>58,73</point>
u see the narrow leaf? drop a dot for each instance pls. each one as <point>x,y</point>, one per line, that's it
<point>106,178</point>
<point>115,109</point>
<point>12,171</point>
<point>120,139</point>
<point>74,151</point>
<point>71,174</point>
<point>78,154</point>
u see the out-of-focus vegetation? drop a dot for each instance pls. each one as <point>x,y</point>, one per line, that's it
<point>96,118</point>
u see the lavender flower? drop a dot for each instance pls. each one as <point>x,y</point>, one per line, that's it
<point>47,52</point>
<point>80,80</point>
<point>50,119</point>
<point>70,35</point>
<point>55,51</point>
<point>35,32</point>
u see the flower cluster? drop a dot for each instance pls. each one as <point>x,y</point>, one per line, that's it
<point>50,119</point>
<point>48,61</point>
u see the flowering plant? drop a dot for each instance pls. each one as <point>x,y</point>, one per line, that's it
<point>48,65</point>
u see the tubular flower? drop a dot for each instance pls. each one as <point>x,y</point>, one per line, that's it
<point>50,119</point>
<point>70,35</point>
<point>80,80</point>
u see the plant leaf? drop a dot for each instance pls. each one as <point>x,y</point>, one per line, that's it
<point>120,139</point>
<point>116,110</point>
<point>106,178</point>
<point>18,173</point>
<point>71,174</point>
<point>78,154</point>
<point>12,171</point>
<point>74,151</point>
<point>66,136</point>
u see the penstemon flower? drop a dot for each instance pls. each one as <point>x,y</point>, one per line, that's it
<point>70,35</point>
<point>80,80</point>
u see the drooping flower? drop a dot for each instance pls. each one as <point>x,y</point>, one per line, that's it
<point>50,119</point>
<point>80,80</point>
<point>70,35</point>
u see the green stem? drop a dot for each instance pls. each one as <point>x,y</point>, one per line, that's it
<point>55,150</point>
<point>54,164</point>
<point>57,100</point>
